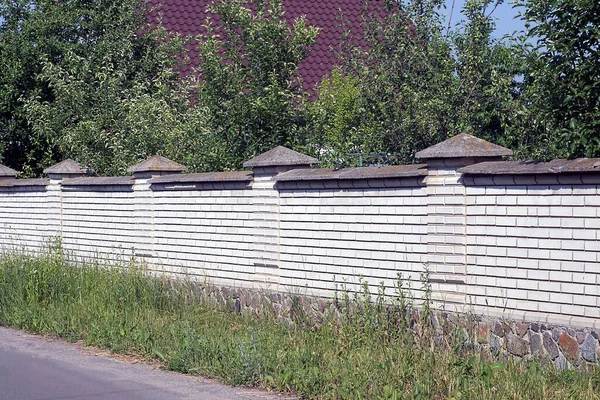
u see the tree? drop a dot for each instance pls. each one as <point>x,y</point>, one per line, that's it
<point>28,30</point>
<point>405,75</point>
<point>249,80</point>
<point>91,80</point>
<point>565,72</point>
<point>417,83</point>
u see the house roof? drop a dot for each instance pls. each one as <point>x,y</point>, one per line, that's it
<point>186,17</point>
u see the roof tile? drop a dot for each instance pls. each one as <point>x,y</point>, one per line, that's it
<point>99,181</point>
<point>8,183</point>
<point>188,17</point>
<point>226,176</point>
<point>384,172</point>
<point>580,165</point>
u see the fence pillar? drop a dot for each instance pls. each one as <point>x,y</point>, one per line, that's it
<point>6,241</point>
<point>66,169</point>
<point>446,214</point>
<point>266,202</point>
<point>143,199</point>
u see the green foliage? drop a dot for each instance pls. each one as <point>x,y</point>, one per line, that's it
<point>403,78</point>
<point>485,70</point>
<point>91,81</point>
<point>110,118</point>
<point>370,350</point>
<point>334,120</point>
<point>494,99</point>
<point>28,30</point>
<point>249,75</point>
<point>566,72</point>
<point>418,83</point>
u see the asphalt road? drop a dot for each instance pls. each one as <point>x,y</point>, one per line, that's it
<point>38,368</point>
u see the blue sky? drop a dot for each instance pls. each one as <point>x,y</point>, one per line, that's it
<point>507,20</point>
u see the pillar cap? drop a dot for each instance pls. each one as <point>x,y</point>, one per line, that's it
<point>463,146</point>
<point>156,164</point>
<point>6,172</point>
<point>280,156</point>
<point>68,168</point>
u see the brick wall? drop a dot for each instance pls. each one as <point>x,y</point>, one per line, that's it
<point>98,222</point>
<point>333,232</point>
<point>533,248</point>
<point>27,217</point>
<point>206,231</point>
<point>500,238</point>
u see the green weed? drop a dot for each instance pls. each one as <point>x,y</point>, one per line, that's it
<point>369,349</point>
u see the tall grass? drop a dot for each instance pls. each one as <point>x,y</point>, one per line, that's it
<point>369,351</point>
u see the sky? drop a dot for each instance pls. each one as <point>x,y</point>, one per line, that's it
<point>506,17</point>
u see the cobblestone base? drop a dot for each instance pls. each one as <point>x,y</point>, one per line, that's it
<point>561,346</point>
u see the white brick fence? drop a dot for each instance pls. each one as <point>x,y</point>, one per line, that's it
<point>508,239</point>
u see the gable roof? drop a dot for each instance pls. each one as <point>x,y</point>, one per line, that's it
<point>186,17</point>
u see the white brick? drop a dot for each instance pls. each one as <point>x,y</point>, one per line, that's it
<point>530,285</point>
<point>496,251</point>
<point>535,295</point>
<point>487,241</point>
<point>511,221</point>
<point>506,200</point>
<point>583,300</point>
<point>550,222</point>
<point>575,288</point>
<point>591,201</point>
<point>538,275</point>
<point>585,256</point>
<point>584,234</point>
<point>584,211</point>
<point>486,200</point>
<point>486,281</point>
<point>592,312</point>
<point>569,309</point>
<point>495,292</point>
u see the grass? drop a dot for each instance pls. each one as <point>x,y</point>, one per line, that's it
<point>369,351</point>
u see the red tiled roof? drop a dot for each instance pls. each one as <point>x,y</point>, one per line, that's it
<point>186,17</point>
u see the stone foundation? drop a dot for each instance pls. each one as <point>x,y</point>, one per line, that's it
<point>563,346</point>
<point>495,338</point>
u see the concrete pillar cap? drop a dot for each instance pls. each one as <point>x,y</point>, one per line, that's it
<point>156,166</point>
<point>464,146</point>
<point>7,173</point>
<point>280,157</point>
<point>67,169</point>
